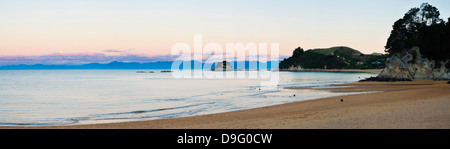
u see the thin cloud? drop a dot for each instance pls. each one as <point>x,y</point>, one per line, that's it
<point>112,50</point>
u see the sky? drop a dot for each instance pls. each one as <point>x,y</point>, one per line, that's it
<point>151,28</point>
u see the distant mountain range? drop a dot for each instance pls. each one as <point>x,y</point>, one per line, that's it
<point>328,58</point>
<point>129,65</point>
<point>104,60</point>
<point>82,58</point>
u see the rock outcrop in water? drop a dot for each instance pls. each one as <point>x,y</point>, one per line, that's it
<point>223,66</point>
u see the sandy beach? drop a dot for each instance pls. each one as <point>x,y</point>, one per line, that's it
<point>339,70</point>
<point>400,105</point>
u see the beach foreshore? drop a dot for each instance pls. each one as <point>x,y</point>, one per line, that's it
<point>392,105</point>
<point>338,70</point>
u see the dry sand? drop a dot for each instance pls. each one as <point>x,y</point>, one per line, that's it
<point>417,104</point>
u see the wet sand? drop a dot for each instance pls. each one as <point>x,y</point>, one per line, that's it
<point>405,105</point>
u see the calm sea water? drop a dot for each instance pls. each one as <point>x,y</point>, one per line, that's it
<point>68,97</point>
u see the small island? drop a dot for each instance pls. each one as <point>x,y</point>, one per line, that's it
<point>165,71</point>
<point>223,66</point>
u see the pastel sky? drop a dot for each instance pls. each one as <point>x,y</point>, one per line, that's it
<point>42,27</point>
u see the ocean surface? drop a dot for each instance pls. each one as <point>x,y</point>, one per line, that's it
<point>71,97</point>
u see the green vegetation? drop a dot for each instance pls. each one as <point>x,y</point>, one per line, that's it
<point>421,27</point>
<point>332,58</point>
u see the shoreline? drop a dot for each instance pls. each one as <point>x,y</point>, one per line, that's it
<point>336,70</point>
<point>407,105</point>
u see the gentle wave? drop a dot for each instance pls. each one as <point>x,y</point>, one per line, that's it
<point>47,97</point>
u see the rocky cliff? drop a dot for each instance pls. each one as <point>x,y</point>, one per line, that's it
<point>410,64</point>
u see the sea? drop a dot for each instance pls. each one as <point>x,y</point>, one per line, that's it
<point>74,97</point>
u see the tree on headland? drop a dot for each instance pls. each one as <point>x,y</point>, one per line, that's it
<point>330,58</point>
<point>298,52</point>
<point>421,27</point>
